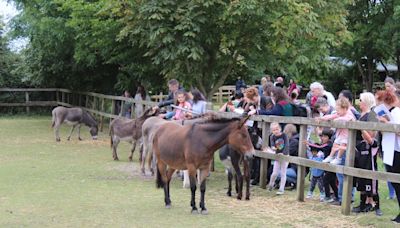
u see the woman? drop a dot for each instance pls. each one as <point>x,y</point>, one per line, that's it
<point>199,105</point>
<point>367,159</point>
<point>282,105</point>
<point>389,100</point>
<point>139,97</point>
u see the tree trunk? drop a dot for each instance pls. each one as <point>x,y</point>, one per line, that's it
<point>398,65</point>
<point>370,73</point>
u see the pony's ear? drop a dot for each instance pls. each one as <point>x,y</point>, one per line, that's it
<point>243,120</point>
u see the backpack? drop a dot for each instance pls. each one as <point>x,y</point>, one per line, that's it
<point>299,110</point>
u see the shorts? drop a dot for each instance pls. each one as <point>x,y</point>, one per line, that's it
<point>340,141</point>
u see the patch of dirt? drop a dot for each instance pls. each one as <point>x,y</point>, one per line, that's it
<point>283,210</point>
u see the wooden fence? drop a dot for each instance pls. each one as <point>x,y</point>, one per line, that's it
<point>348,169</point>
<point>104,107</point>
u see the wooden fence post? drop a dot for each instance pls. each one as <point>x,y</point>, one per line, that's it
<point>57,96</point>
<point>112,110</point>
<point>87,101</point>
<point>348,180</point>
<point>264,161</point>
<point>301,170</point>
<point>62,97</point>
<point>101,116</point>
<point>27,101</point>
<point>220,95</point>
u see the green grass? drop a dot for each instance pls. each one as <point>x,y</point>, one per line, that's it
<point>77,184</point>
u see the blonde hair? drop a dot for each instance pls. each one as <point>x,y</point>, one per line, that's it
<point>368,99</point>
<point>290,130</point>
<point>251,92</point>
<point>275,124</point>
<point>343,103</point>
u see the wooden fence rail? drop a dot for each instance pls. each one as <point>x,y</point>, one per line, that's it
<point>96,103</point>
<point>347,170</point>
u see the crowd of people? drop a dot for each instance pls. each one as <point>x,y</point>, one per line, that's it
<point>323,144</point>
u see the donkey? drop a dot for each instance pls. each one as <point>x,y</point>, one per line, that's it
<point>151,126</point>
<point>123,129</point>
<point>74,117</point>
<point>232,159</point>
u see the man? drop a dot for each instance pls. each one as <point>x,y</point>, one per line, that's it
<point>317,90</point>
<point>279,82</point>
<point>173,87</point>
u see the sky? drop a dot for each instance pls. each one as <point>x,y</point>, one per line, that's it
<point>7,12</point>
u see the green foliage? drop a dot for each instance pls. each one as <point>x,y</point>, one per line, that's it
<point>203,42</point>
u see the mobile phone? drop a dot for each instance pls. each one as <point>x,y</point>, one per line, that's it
<point>381,113</point>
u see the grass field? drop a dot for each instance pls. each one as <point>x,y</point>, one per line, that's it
<point>77,184</point>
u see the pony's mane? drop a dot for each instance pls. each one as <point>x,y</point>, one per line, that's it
<point>145,114</point>
<point>211,117</point>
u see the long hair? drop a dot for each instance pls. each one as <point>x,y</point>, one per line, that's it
<point>197,95</point>
<point>280,95</point>
<point>141,91</point>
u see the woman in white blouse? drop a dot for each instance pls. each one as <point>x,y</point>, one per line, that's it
<point>390,147</point>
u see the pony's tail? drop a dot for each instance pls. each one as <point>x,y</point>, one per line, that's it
<point>159,181</point>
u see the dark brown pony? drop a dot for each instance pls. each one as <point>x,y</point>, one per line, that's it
<point>192,147</point>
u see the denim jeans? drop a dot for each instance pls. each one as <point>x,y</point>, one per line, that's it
<point>340,178</point>
<point>291,176</point>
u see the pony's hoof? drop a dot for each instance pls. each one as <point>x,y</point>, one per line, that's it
<point>229,194</point>
<point>168,206</point>
<point>116,159</point>
<point>195,212</point>
<point>130,159</point>
<point>69,139</point>
<point>204,212</point>
<point>247,197</point>
<point>239,197</point>
<point>58,140</point>
<point>80,139</point>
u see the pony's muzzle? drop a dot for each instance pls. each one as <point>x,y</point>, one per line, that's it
<point>249,155</point>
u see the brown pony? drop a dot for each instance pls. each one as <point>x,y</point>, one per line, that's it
<point>192,147</point>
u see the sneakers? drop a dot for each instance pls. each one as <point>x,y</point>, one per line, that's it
<point>359,209</point>
<point>336,161</point>
<point>309,195</point>
<point>378,212</point>
<point>328,159</point>
<point>336,203</point>
<point>321,198</point>
<point>328,200</point>
<point>280,192</point>
<point>396,220</point>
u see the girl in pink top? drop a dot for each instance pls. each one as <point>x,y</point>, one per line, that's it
<point>181,102</point>
<point>343,113</point>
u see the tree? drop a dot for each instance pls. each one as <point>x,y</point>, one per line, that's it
<point>203,42</point>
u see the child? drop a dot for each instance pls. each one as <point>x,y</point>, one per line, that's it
<point>343,113</point>
<point>316,174</point>
<point>181,102</point>
<point>279,144</point>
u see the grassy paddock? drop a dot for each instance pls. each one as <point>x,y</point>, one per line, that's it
<point>77,184</point>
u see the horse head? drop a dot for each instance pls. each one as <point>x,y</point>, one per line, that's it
<point>240,139</point>
<point>93,132</point>
<point>90,121</point>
